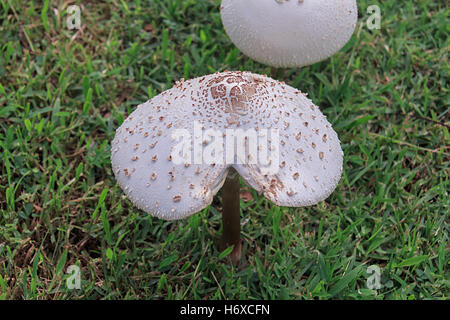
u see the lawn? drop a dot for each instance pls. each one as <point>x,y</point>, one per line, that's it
<point>64,92</point>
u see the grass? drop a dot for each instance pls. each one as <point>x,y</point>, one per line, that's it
<point>64,92</point>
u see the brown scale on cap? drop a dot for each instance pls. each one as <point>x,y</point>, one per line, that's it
<point>234,94</point>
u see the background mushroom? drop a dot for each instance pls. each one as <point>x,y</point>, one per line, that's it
<point>289,33</point>
<point>161,153</point>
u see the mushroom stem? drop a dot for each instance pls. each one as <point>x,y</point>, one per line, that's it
<point>273,72</point>
<point>277,73</point>
<point>231,216</point>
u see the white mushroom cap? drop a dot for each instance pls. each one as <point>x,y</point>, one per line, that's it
<point>310,157</point>
<point>289,33</point>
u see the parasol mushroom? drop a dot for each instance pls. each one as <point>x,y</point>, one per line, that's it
<point>174,152</point>
<point>289,33</point>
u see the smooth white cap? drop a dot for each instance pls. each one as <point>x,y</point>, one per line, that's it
<point>310,155</point>
<point>289,33</point>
